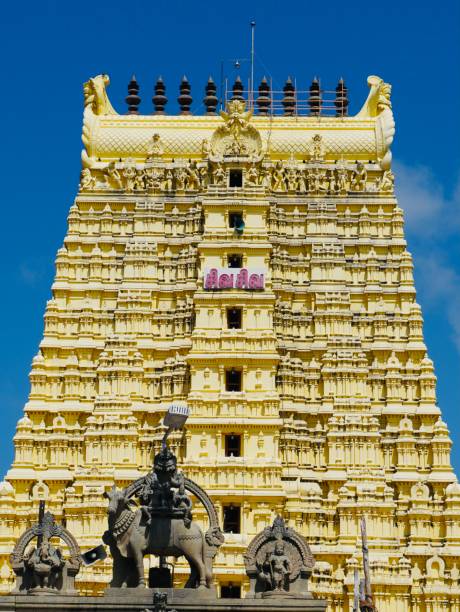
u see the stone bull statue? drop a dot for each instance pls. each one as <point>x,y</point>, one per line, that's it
<point>134,533</point>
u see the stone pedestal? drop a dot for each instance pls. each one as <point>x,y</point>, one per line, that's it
<point>140,600</point>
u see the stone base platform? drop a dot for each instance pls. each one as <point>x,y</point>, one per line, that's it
<point>141,600</point>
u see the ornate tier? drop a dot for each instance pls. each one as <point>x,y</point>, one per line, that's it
<point>108,136</point>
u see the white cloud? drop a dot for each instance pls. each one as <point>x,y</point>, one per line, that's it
<point>440,288</point>
<point>421,198</point>
<point>32,271</point>
<point>433,227</point>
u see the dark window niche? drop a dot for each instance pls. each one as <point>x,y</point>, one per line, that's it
<point>234,318</point>
<point>233,380</point>
<point>235,260</point>
<point>230,591</point>
<point>232,445</point>
<point>235,220</point>
<point>232,519</point>
<point>236,178</point>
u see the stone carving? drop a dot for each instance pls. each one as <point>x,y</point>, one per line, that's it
<point>278,562</point>
<point>252,176</point>
<point>236,137</point>
<point>359,178</point>
<point>276,570</point>
<point>155,147</point>
<point>219,175</point>
<point>162,525</point>
<point>43,569</point>
<point>291,179</point>
<point>95,95</point>
<point>112,176</point>
<point>386,184</point>
<point>317,148</point>
<point>192,180</point>
<point>160,601</point>
<point>378,105</point>
<point>378,100</point>
<point>289,176</point>
<point>180,174</point>
<point>205,148</point>
<point>341,178</point>
<point>87,180</point>
<point>278,182</point>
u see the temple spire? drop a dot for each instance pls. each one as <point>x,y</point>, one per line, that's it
<point>185,99</point>
<point>159,99</point>
<point>264,99</point>
<point>341,99</point>
<point>288,101</point>
<point>314,101</point>
<point>237,89</point>
<point>210,100</point>
<point>132,99</point>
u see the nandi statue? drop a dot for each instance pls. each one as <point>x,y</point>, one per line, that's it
<point>162,525</point>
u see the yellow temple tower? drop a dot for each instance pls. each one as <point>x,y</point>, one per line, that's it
<point>251,264</point>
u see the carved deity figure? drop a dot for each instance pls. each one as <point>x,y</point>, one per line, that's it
<point>139,184</point>
<point>359,178</point>
<point>42,568</point>
<point>218,175</point>
<point>236,148</point>
<point>192,181</point>
<point>112,176</point>
<point>204,176</point>
<point>266,178</point>
<point>180,175</point>
<point>314,180</point>
<point>46,563</point>
<point>277,568</point>
<point>163,489</point>
<point>236,137</point>
<point>155,147</point>
<point>302,181</point>
<point>341,178</point>
<point>129,174</point>
<point>291,179</point>
<point>236,119</point>
<point>168,183</point>
<point>205,148</point>
<point>317,148</point>
<point>386,183</point>
<point>252,176</point>
<point>323,182</point>
<point>87,180</point>
<point>333,185</point>
<point>149,179</point>
<point>278,562</point>
<point>278,183</point>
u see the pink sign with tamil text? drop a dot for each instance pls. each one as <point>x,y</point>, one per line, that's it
<point>233,278</point>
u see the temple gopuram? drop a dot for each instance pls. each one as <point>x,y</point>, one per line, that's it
<point>249,264</point>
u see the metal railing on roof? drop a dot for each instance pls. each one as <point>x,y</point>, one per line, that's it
<point>291,101</point>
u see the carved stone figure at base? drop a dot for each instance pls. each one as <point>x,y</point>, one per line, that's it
<point>43,568</point>
<point>161,526</point>
<point>276,569</point>
<point>278,562</point>
<point>45,563</point>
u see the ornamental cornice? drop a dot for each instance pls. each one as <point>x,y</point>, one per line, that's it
<point>107,135</point>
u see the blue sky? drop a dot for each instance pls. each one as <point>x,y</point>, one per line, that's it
<point>50,48</point>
